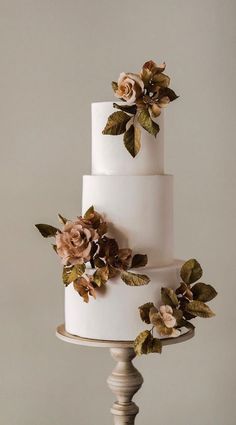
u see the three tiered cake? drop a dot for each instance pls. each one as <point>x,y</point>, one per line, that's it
<point>136,197</point>
<point>127,223</point>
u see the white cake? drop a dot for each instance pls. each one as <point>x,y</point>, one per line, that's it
<point>109,156</point>
<point>136,198</point>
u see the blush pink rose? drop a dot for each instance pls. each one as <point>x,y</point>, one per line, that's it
<point>74,242</point>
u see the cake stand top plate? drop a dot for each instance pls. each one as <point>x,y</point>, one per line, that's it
<point>73,339</point>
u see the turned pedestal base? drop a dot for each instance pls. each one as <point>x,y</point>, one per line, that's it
<point>124,382</point>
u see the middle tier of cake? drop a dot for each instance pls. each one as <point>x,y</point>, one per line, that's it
<point>139,211</point>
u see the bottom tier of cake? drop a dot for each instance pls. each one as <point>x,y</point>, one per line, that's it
<point>114,314</point>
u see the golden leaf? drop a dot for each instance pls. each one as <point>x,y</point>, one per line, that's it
<point>100,276</point>
<point>198,308</point>
<point>169,297</point>
<point>155,346</point>
<point>133,279</point>
<point>125,257</point>
<point>84,288</point>
<point>178,314</point>
<point>46,230</point>
<point>62,219</point>
<point>144,311</point>
<point>98,262</point>
<point>146,344</point>
<point>161,79</point>
<point>70,274</point>
<point>203,292</point>
<point>89,213</point>
<point>156,110</point>
<point>164,102</point>
<point>102,228</point>
<point>139,260</point>
<point>167,92</point>
<point>141,342</point>
<point>146,122</point>
<point>114,86</point>
<point>132,140</point>
<point>81,289</point>
<point>191,271</point>
<point>113,272</point>
<point>116,123</point>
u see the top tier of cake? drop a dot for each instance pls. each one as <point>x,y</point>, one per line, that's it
<point>109,157</point>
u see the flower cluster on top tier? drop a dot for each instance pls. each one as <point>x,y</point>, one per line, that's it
<point>144,94</point>
<point>83,241</point>
<point>179,307</point>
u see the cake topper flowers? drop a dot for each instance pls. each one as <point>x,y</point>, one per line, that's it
<point>84,242</point>
<point>144,95</point>
<point>178,308</point>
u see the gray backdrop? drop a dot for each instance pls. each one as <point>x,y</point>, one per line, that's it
<point>56,57</point>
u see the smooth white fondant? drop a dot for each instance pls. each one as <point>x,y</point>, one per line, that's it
<point>114,314</point>
<point>139,210</point>
<point>109,155</point>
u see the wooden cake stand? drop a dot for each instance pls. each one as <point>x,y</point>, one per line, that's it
<point>125,379</point>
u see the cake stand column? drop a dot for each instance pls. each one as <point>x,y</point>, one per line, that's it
<point>125,379</point>
<point>124,382</point>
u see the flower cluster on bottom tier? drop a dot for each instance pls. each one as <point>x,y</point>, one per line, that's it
<point>114,313</point>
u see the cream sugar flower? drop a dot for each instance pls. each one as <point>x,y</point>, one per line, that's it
<point>164,321</point>
<point>130,87</point>
<point>74,242</point>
